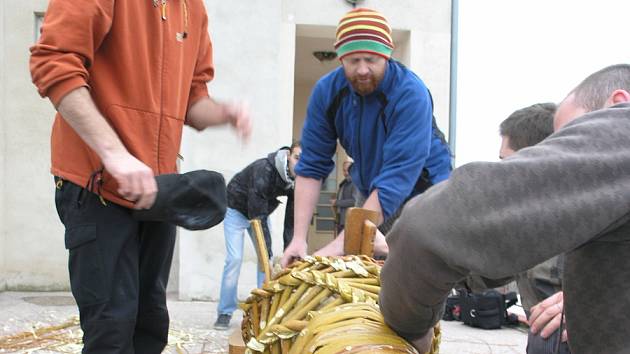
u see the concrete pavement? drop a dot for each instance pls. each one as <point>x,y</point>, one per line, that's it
<point>192,325</point>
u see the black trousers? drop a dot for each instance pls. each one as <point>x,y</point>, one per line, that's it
<point>119,270</point>
<point>537,345</point>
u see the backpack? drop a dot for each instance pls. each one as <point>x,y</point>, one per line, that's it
<point>487,310</point>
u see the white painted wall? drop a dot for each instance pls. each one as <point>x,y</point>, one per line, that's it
<point>302,93</point>
<point>3,249</point>
<point>34,254</point>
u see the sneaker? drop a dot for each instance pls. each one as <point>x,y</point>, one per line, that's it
<point>223,322</point>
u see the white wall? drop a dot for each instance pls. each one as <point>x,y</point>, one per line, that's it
<point>34,249</point>
<point>430,60</point>
<point>302,93</point>
<point>3,248</point>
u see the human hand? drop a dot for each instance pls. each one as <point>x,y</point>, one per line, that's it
<point>135,179</point>
<point>237,115</point>
<point>423,344</point>
<point>546,316</point>
<point>333,248</point>
<point>295,250</point>
<point>380,244</point>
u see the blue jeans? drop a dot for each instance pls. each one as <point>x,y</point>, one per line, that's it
<point>234,224</point>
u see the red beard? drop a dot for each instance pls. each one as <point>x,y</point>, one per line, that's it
<point>364,87</point>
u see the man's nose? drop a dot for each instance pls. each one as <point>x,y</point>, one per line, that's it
<point>363,69</point>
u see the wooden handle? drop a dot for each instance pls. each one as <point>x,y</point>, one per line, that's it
<point>353,234</point>
<point>261,249</point>
<point>367,238</point>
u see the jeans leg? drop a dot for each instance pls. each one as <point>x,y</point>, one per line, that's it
<point>157,243</point>
<point>234,224</point>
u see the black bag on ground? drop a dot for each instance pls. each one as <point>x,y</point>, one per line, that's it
<point>487,310</point>
<point>452,308</point>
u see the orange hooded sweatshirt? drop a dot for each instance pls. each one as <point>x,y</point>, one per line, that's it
<point>144,63</point>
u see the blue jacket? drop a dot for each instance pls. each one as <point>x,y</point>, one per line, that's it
<point>390,134</point>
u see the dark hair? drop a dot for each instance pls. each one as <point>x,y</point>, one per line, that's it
<point>593,92</point>
<point>528,126</point>
<point>296,143</point>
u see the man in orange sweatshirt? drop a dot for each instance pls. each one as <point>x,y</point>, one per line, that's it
<point>124,76</point>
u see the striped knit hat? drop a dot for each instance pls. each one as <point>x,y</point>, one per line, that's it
<point>364,31</point>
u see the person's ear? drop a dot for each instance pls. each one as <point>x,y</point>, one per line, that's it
<point>618,96</point>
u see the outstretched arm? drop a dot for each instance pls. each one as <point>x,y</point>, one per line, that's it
<point>206,112</point>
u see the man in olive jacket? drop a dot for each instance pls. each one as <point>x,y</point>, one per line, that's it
<point>493,219</point>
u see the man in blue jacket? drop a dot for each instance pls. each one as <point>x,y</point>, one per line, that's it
<point>382,114</point>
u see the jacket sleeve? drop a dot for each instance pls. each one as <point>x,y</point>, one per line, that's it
<point>71,33</point>
<point>494,219</point>
<point>319,138</point>
<point>204,68</point>
<point>407,146</point>
<point>287,235</point>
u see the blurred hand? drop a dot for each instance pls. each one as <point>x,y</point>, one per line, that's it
<point>296,250</point>
<point>380,244</point>
<point>237,115</point>
<point>135,180</point>
<point>546,316</point>
<point>334,247</point>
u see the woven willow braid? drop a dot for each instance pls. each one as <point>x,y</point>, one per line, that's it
<point>324,305</point>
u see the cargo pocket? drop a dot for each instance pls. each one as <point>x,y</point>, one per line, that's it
<point>85,264</point>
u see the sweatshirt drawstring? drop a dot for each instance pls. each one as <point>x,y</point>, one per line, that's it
<point>95,183</point>
<point>185,11</point>
<point>186,16</point>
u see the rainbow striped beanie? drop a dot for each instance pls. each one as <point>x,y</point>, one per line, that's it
<point>364,31</point>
